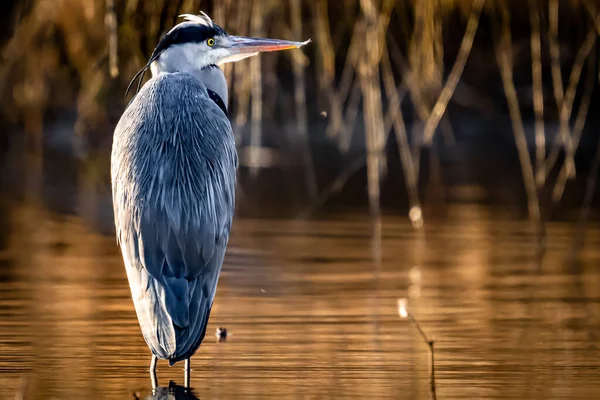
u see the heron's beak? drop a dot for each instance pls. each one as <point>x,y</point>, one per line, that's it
<point>242,44</point>
<point>241,47</point>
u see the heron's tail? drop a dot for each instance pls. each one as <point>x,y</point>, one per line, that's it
<point>189,337</point>
<point>177,300</point>
<point>174,317</point>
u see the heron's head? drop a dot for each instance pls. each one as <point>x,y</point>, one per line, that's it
<point>198,43</point>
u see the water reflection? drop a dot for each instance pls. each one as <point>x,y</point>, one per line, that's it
<point>310,308</point>
<point>171,392</point>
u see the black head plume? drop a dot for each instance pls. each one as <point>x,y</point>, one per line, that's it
<point>195,29</point>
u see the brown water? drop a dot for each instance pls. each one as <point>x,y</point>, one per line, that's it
<point>311,311</point>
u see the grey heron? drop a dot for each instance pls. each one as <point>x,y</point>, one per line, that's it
<point>173,172</point>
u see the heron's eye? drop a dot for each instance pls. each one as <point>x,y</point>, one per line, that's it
<point>210,42</point>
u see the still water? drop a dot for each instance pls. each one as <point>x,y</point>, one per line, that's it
<point>311,311</point>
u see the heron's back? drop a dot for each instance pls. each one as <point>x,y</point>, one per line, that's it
<point>173,174</point>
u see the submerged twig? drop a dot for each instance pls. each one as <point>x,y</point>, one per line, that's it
<point>404,313</point>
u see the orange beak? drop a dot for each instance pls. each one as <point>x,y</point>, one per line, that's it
<point>245,45</point>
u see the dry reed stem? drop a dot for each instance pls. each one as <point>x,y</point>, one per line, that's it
<point>412,73</point>
<point>350,117</point>
<point>557,82</point>
<point>561,181</point>
<point>394,114</point>
<point>375,23</point>
<point>23,38</point>
<point>417,145</point>
<point>327,59</point>
<point>395,100</point>
<point>222,12</point>
<point>424,71</point>
<point>352,58</point>
<point>538,96</point>
<point>348,88</point>
<point>242,79</point>
<point>300,103</point>
<point>426,65</point>
<point>153,25</point>
<point>130,7</point>
<point>503,48</point>
<point>585,102</point>
<point>593,14</point>
<point>426,58</point>
<point>417,101</point>
<point>256,30</point>
<point>113,39</point>
<point>421,105</point>
<point>372,108</point>
<point>325,42</point>
<point>456,72</point>
<point>566,109</point>
<point>567,106</point>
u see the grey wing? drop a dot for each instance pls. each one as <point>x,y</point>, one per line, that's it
<point>173,170</point>
<point>181,272</point>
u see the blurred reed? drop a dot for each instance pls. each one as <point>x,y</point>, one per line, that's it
<point>377,67</point>
<point>504,55</point>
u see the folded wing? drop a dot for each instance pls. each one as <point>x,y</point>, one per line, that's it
<point>173,193</point>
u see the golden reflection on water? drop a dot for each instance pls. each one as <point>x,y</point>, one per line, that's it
<point>311,308</point>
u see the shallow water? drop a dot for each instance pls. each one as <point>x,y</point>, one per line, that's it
<point>311,308</point>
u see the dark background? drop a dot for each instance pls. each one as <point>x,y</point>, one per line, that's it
<point>60,102</point>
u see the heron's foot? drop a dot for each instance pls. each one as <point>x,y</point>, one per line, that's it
<point>153,372</point>
<point>187,374</point>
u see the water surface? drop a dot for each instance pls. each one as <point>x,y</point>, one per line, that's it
<point>311,311</point>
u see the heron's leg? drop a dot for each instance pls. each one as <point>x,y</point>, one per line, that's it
<point>187,373</point>
<point>153,372</point>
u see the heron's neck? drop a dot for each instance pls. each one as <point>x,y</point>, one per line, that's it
<point>185,59</point>
<point>214,79</point>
